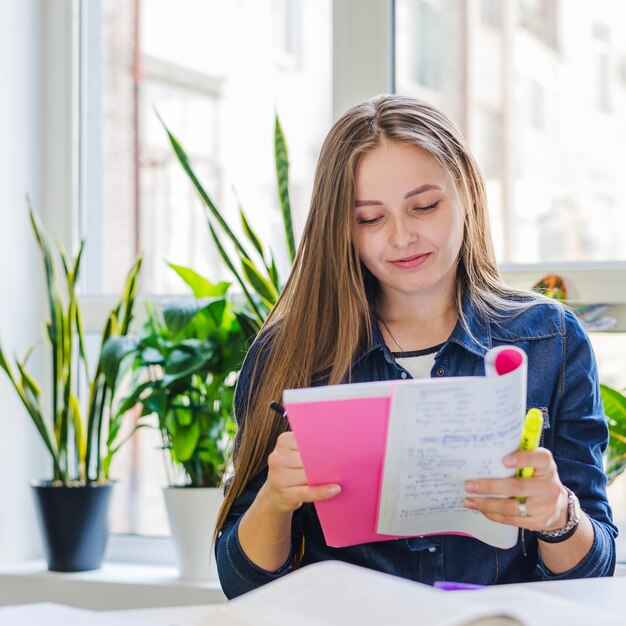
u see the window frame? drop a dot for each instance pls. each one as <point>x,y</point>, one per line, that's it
<point>363,64</point>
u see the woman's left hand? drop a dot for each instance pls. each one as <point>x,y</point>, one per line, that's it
<point>545,499</point>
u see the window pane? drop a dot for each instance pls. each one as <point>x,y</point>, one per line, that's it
<point>534,87</point>
<point>216,71</point>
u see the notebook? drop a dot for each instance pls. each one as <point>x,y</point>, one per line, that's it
<point>401,450</point>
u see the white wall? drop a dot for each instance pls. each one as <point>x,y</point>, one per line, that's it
<point>20,276</point>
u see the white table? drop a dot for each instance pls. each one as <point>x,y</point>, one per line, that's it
<point>598,593</point>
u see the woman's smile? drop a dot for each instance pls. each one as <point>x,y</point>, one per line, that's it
<point>411,262</point>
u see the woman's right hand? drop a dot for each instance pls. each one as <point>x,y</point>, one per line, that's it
<point>286,487</point>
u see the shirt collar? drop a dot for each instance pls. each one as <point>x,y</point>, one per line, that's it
<point>475,338</point>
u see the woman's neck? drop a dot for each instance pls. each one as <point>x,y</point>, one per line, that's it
<point>416,323</point>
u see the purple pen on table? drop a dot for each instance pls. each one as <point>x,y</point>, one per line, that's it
<point>447,585</point>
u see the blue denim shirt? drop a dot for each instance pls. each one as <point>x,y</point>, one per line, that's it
<point>562,381</point>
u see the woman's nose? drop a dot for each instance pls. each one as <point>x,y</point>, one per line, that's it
<point>402,234</point>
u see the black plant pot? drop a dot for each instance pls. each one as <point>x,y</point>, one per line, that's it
<point>74,524</point>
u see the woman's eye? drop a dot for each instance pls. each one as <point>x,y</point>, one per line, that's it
<point>362,220</point>
<point>424,209</point>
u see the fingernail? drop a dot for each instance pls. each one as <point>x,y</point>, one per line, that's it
<point>471,487</point>
<point>333,491</point>
<point>509,461</point>
<point>468,503</point>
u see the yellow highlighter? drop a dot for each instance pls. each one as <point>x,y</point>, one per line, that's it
<point>533,425</point>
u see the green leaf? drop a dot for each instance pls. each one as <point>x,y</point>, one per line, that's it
<point>28,382</point>
<point>614,405</point>
<point>259,283</point>
<point>181,312</point>
<point>129,295</point>
<point>273,273</point>
<point>282,177</point>
<point>251,235</point>
<point>113,353</point>
<point>184,440</point>
<point>249,324</point>
<point>231,267</point>
<point>615,408</point>
<point>200,286</point>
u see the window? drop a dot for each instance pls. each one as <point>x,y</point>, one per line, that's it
<point>556,194</point>
<point>216,72</point>
<point>520,106</point>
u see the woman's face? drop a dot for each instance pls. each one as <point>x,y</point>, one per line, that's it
<point>409,220</point>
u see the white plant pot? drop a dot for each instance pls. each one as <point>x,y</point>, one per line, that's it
<point>192,514</point>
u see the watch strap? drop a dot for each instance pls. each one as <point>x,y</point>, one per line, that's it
<point>573,519</point>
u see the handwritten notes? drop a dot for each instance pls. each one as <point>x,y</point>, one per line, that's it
<point>441,435</point>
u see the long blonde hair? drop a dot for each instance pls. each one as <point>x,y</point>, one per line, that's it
<point>322,316</point>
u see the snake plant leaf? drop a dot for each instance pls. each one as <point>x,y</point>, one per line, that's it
<point>129,294</point>
<point>251,235</point>
<point>231,267</point>
<point>201,287</point>
<point>260,284</point>
<point>181,312</point>
<point>80,333</point>
<point>273,272</point>
<point>80,437</point>
<point>28,382</point>
<point>44,247</point>
<point>183,159</point>
<point>34,410</point>
<point>282,175</point>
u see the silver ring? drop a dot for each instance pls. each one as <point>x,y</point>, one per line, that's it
<point>523,512</point>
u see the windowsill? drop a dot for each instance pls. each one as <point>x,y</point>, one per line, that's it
<point>114,586</point>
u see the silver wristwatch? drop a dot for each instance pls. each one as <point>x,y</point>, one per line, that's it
<point>573,518</point>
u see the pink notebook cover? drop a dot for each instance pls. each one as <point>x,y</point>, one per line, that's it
<point>344,441</point>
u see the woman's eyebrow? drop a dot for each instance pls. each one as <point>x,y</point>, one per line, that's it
<point>422,189</point>
<point>414,192</point>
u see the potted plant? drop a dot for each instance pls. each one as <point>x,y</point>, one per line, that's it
<point>194,352</point>
<point>81,441</point>
<point>185,364</point>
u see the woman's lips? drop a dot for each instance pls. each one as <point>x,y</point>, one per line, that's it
<point>411,262</point>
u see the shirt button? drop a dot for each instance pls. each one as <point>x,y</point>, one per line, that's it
<point>403,374</point>
<point>432,549</point>
<point>440,371</point>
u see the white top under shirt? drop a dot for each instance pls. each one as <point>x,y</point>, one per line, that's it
<point>418,363</point>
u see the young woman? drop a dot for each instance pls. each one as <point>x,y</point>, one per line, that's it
<point>395,277</point>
